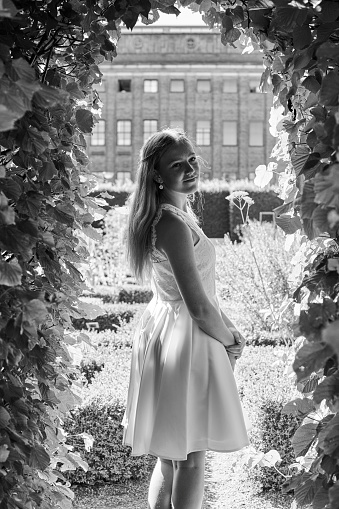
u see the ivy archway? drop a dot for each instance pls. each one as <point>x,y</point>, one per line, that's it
<point>50,52</point>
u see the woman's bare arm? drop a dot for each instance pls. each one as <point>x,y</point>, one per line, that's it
<point>174,238</point>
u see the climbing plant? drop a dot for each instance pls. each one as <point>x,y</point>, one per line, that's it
<point>50,51</point>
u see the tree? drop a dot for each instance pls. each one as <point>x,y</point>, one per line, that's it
<point>50,51</point>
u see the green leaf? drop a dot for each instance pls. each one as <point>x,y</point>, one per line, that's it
<point>15,241</point>
<point>10,188</point>
<point>311,84</point>
<point>39,458</point>
<point>48,171</point>
<point>305,491</point>
<point>333,494</point>
<point>230,36</point>
<point>49,96</point>
<point>263,174</point>
<point>328,51</point>
<point>289,17</point>
<point>35,310</point>
<point>23,69</point>
<point>320,221</point>
<point>321,498</point>
<point>331,337</point>
<point>85,120</point>
<point>329,90</point>
<point>310,358</point>
<point>329,436</point>
<point>303,438</point>
<point>299,407</point>
<point>4,417</point>
<point>302,37</point>
<point>7,118</point>
<point>10,273</point>
<point>299,157</point>
<point>74,90</point>
<point>307,200</point>
<point>327,389</point>
<point>328,11</point>
<point>30,203</point>
<point>4,453</point>
<point>290,224</point>
<point>92,233</point>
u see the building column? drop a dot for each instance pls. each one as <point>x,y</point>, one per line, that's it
<point>111,123</point>
<point>243,148</point>
<point>217,127</point>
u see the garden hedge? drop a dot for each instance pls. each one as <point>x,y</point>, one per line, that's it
<point>111,318</point>
<point>128,293</point>
<point>218,216</point>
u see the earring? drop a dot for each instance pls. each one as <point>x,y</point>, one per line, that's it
<point>161,186</point>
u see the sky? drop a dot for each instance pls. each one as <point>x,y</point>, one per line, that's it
<point>185,18</point>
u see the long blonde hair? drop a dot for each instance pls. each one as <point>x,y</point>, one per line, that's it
<point>144,202</point>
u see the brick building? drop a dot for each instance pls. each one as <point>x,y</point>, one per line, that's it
<point>182,77</point>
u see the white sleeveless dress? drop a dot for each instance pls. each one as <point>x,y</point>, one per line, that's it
<point>182,393</point>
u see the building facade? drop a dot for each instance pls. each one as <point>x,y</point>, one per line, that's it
<point>182,77</point>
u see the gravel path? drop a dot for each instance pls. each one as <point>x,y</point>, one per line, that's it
<point>225,488</point>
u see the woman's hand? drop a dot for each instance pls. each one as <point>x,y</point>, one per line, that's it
<point>235,351</point>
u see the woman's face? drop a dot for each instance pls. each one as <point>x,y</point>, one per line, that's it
<point>178,169</point>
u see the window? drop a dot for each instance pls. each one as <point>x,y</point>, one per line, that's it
<point>98,134</point>
<point>254,86</point>
<point>230,134</point>
<point>124,85</point>
<point>230,86</point>
<point>203,85</point>
<point>150,127</point>
<point>124,132</point>
<point>123,176</point>
<point>177,86</point>
<point>151,86</point>
<point>256,137</point>
<point>177,124</point>
<point>203,132</point>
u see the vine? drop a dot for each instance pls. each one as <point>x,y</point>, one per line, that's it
<point>50,51</point>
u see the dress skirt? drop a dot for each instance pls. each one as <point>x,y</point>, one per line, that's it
<point>182,393</point>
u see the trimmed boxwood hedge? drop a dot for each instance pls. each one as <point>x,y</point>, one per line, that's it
<point>218,217</point>
<point>128,293</point>
<point>113,317</point>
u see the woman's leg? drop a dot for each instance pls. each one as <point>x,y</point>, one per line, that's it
<point>188,481</point>
<point>160,488</point>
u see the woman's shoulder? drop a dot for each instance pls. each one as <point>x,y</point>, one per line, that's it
<point>171,227</point>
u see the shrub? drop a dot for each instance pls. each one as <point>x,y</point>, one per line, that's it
<point>134,294</point>
<point>101,415</point>
<point>88,369</point>
<point>109,461</point>
<point>115,315</point>
<point>265,388</point>
<point>249,295</point>
<point>129,293</point>
<point>276,432</point>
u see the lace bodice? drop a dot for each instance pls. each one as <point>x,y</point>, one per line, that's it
<point>163,281</point>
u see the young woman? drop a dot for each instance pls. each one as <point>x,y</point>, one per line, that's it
<point>182,397</point>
